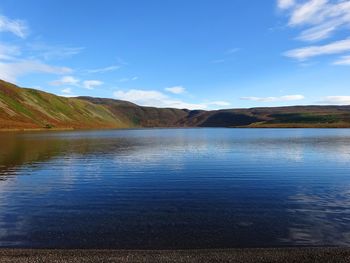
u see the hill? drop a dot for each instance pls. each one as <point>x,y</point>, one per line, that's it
<point>22,108</point>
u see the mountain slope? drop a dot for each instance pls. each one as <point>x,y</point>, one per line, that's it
<point>296,116</point>
<point>138,116</point>
<point>29,108</point>
<point>22,108</point>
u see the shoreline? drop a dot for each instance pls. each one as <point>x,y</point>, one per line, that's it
<point>150,128</point>
<point>35,129</point>
<point>297,255</point>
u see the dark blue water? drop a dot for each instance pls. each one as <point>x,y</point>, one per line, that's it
<point>175,188</point>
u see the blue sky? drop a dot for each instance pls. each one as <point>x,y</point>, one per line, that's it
<point>178,53</point>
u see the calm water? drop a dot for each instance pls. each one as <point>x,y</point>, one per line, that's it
<point>175,188</point>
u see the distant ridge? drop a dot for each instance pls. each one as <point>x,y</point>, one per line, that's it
<point>22,108</point>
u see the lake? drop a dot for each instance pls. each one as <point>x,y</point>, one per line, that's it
<point>175,188</point>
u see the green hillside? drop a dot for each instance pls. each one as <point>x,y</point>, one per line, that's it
<point>29,108</point>
<point>22,108</point>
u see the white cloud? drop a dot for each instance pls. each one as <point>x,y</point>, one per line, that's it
<point>9,52</point>
<point>65,80</point>
<point>67,91</point>
<point>128,79</point>
<point>336,100</point>
<point>11,71</point>
<point>72,81</point>
<point>285,4</point>
<point>320,17</point>
<point>275,99</point>
<point>318,20</point>
<point>103,70</point>
<point>344,60</point>
<point>219,103</point>
<point>14,26</point>
<point>91,84</point>
<point>48,52</point>
<point>319,32</point>
<point>155,98</point>
<point>146,97</point>
<point>178,104</point>
<point>176,89</point>
<point>336,47</point>
<point>309,12</point>
<point>26,58</point>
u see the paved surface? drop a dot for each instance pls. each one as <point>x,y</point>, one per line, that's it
<point>298,255</point>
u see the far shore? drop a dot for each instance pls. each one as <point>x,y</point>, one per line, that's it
<point>35,129</point>
<point>140,128</point>
<point>249,255</point>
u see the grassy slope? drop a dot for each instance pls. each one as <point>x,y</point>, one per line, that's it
<point>32,109</point>
<point>139,116</point>
<point>28,108</point>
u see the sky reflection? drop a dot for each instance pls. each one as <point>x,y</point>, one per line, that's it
<point>175,188</point>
